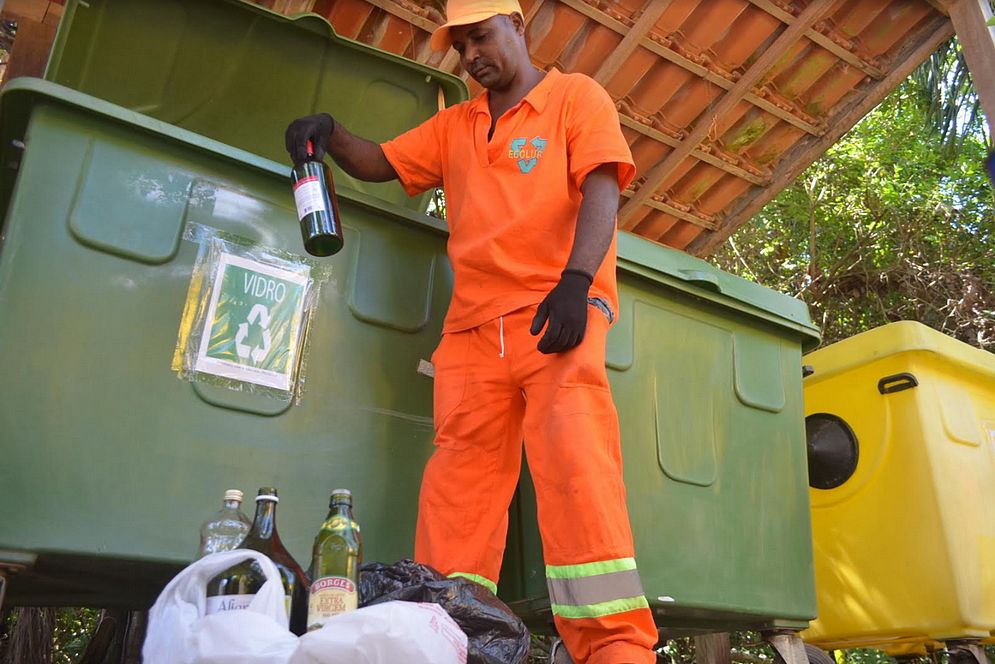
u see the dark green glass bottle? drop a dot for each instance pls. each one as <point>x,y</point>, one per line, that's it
<point>233,589</point>
<point>317,205</point>
<point>336,557</point>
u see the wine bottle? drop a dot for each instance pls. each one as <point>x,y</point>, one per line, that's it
<point>233,589</point>
<point>317,205</point>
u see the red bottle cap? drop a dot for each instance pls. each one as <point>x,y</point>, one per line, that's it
<point>310,147</point>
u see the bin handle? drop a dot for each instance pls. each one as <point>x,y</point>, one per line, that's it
<point>705,280</point>
<point>897,383</point>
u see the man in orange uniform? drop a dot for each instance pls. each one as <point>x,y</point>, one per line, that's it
<point>532,171</point>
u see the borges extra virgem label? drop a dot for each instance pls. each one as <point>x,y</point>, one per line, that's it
<point>329,597</point>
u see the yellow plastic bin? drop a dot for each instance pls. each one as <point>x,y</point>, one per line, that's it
<point>901,434</point>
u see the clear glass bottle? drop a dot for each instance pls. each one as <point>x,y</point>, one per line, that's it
<point>227,528</point>
<point>317,205</point>
<point>336,557</point>
<point>235,587</point>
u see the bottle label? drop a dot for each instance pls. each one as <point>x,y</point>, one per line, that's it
<point>330,596</point>
<point>308,196</point>
<point>222,603</point>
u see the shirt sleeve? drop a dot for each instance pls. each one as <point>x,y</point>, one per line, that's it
<point>416,155</point>
<point>595,135</point>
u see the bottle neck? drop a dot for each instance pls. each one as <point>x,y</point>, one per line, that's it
<point>341,509</point>
<point>264,525</point>
<point>233,505</point>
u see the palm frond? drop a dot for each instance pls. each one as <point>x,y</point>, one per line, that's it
<point>946,91</point>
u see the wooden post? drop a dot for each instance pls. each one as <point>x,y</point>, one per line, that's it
<point>117,638</point>
<point>138,623</point>
<point>978,40</point>
<point>712,649</point>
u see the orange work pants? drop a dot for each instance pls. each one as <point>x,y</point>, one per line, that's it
<point>492,390</point>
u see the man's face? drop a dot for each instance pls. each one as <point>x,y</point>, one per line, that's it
<point>489,50</point>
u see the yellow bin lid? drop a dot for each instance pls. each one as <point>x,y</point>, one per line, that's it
<point>892,339</point>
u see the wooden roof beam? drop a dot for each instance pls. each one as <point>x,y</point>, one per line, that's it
<point>788,37</point>
<point>822,40</point>
<point>689,65</point>
<point>804,153</point>
<point>630,42</point>
<point>706,157</point>
<point>969,18</point>
<point>291,7</point>
<point>663,206</point>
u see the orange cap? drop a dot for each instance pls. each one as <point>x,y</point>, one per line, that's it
<point>465,12</point>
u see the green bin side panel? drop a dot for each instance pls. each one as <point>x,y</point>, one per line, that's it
<point>713,443</point>
<point>107,453</point>
<point>240,74</point>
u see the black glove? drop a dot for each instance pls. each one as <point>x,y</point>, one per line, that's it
<point>315,128</point>
<point>565,308</point>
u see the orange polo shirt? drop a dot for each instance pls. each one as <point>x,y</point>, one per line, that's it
<point>512,202</point>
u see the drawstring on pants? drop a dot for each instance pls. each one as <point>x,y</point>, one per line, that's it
<point>501,323</point>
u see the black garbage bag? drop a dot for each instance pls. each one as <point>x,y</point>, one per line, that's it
<point>495,634</point>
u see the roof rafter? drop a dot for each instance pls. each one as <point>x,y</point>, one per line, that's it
<point>663,206</point>
<point>706,157</point>
<point>822,40</point>
<point>798,159</point>
<point>788,37</point>
<point>673,56</point>
<point>630,42</point>
<point>405,13</point>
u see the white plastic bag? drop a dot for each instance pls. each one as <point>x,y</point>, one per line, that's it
<point>388,633</point>
<point>180,633</point>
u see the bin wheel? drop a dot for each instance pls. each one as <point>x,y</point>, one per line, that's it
<point>815,655</point>
<point>558,653</point>
<point>963,656</point>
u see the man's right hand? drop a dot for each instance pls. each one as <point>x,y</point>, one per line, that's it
<point>315,128</point>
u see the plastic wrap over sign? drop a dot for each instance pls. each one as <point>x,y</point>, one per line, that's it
<point>246,317</point>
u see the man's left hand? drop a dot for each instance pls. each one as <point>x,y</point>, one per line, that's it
<point>565,311</point>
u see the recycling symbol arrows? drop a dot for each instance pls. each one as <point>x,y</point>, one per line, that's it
<point>258,313</point>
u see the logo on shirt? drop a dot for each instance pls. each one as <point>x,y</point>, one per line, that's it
<point>527,152</point>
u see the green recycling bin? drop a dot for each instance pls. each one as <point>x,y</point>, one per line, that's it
<point>114,461</point>
<point>706,373</point>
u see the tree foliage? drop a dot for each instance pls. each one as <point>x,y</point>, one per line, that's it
<point>46,635</point>
<point>895,222</point>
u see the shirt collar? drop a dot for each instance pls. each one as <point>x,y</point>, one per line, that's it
<point>536,98</point>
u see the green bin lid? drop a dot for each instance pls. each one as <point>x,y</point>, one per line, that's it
<point>20,96</point>
<point>238,73</point>
<point>701,280</point>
